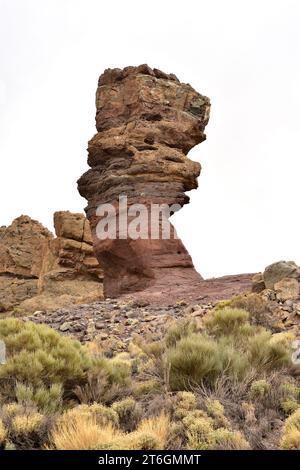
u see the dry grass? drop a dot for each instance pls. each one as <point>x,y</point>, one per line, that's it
<point>83,433</point>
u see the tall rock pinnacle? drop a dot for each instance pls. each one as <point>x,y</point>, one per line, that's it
<point>147,121</point>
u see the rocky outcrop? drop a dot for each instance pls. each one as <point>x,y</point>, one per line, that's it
<point>147,121</point>
<point>40,271</point>
<point>279,285</point>
<point>21,248</point>
<point>275,273</point>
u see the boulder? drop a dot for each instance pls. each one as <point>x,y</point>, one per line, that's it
<point>279,270</point>
<point>258,283</point>
<point>21,247</point>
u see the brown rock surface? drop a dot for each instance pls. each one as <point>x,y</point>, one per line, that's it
<point>279,270</point>
<point>21,247</point>
<point>40,271</point>
<point>287,289</point>
<point>147,121</point>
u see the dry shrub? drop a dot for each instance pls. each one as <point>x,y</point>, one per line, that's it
<point>216,410</point>
<point>100,387</point>
<point>291,432</point>
<point>83,433</point>
<point>224,439</point>
<point>102,414</point>
<point>199,433</point>
<point>28,430</point>
<point>157,429</point>
<point>253,303</point>
<point>3,435</point>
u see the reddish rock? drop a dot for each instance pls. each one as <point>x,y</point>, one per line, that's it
<point>147,121</point>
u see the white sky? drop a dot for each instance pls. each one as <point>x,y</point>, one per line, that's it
<point>244,55</point>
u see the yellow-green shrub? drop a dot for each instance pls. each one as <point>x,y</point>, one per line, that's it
<point>266,354</point>
<point>253,303</point>
<point>146,387</point>
<point>198,357</point>
<point>224,439</point>
<point>200,434</point>
<point>226,321</point>
<point>259,389</point>
<point>47,400</point>
<point>179,330</point>
<point>216,410</point>
<point>129,413</point>
<point>289,405</point>
<point>38,355</point>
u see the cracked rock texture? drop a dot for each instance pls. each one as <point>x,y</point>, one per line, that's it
<point>147,121</point>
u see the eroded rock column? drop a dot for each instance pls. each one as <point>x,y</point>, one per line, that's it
<point>147,121</point>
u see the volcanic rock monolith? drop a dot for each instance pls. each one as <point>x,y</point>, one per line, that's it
<point>147,121</point>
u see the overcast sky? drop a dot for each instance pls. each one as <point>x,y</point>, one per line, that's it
<point>244,55</point>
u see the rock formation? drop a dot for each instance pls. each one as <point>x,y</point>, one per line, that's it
<point>21,246</point>
<point>38,270</point>
<point>147,121</point>
<point>274,273</point>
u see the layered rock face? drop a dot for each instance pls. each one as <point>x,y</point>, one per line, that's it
<point>147,121</point>
<point>21,248</point>
<point>38,270</point>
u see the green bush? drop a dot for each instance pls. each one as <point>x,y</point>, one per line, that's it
<point>39,356</point>
<point>259,389</point>
<point>226,321</point>
<point>45,361</point>
<point>179,330</point>
<point>197,357</point>
<point>266,354</point>
<point>231,347</point>
<point>47,400</point>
